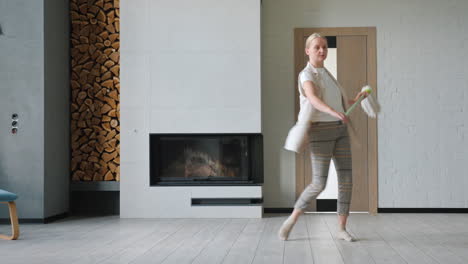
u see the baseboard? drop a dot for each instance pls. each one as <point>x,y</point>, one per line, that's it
<point>36,220</point>
<point>85,202</point>
<point>323,205</point>
<point>277,210</point>
<point>424,210</point>
<point>55,217</point>
<point>226,201</point>
<point>386,210</point>
<point>326,205</point>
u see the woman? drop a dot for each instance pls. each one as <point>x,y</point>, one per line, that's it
<point>321,100</point>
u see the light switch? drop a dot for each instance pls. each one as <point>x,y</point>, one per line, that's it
<point>14,123</point>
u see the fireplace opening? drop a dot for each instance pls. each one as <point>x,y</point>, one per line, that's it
<point>206,159</point>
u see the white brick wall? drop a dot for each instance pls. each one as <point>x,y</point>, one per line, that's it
<point>422,58</point>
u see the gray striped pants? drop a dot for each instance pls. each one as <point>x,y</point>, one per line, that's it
<point>329,140</point>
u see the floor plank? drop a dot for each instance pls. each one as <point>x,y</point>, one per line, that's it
<point>164,248</point>
<point>298,249</point>
<point>192,247</point>
<point>364,227</point>
<point>270,249</point>
<point>165,229</point>
<point>352,252</point>
<point>244,248</point>
<point>385,238</point>
<point>386,227</point>
<point>322,244</point>
<point>219,246</point>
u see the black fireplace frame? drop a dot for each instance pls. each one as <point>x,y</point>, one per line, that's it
<point>255,162</point>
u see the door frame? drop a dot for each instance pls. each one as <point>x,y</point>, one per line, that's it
<point>299,47</point>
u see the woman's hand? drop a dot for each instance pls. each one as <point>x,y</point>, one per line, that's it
<point>363,93</point>
<point>340,116</point>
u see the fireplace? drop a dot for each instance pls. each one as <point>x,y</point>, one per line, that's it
<point>206,159</point>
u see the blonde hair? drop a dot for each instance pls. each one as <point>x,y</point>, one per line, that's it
<point>312,37</point>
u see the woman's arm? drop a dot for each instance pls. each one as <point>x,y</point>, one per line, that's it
<point>310,90</point>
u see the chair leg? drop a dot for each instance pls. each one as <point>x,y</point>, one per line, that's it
<point>14,223</point>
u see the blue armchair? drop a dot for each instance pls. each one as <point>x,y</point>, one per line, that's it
<point>9,198</point>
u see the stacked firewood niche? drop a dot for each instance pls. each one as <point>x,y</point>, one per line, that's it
<point>95,86</point>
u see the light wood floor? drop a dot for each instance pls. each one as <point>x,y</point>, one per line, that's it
<point>386,238</point>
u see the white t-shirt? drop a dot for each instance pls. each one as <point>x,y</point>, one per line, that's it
<point>330,92</point>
